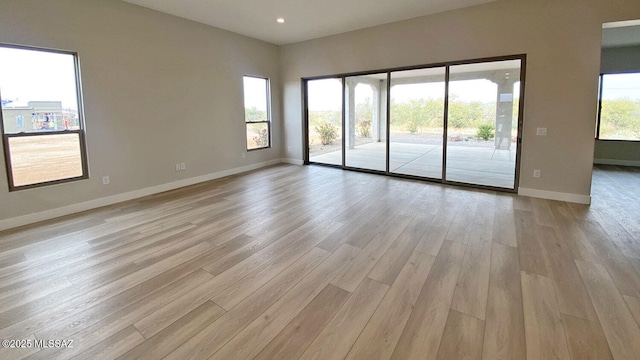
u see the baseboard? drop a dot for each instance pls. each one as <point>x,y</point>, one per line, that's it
<point>292,161</point>
<point>109,200</point>
<point>616,162</point>
<point>552,195</point>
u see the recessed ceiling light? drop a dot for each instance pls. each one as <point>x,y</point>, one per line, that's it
<point>280,20</point>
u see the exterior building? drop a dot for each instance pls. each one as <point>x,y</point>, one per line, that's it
<point>38,116</point>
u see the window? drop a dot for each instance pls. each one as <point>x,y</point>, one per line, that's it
<point>619,116</point>
<point>257,112</point>
<point>41,117</point>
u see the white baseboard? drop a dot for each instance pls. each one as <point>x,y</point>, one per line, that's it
<point>109,200</point>
<point>616,162</point>
<point>292,161</point>
<point>552,195</point>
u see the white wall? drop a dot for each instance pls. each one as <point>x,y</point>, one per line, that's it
<point>562,43</point>
<point>157,90</point>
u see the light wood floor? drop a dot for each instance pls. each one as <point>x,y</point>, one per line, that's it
<point>310,262</point>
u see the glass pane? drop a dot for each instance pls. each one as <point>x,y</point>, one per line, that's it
<point>255,99</point>
<point>38,91</point>
<point>620,113</point>
<point>417,122</point>
<point>324,103</point>
<point>37,159</point>
<point>366,121</point>
<point>257,135</point>
<point>483,123</point>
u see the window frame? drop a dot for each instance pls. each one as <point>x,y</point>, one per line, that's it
<point>268,119</point>
<point>599,115</point>
<point>80,132</point>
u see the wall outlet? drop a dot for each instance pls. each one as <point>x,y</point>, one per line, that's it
<point>177,167</point>
<point>288,148</point>
<point>542,131</point>
<point>536,173</point>
<point>105,180</point>
<point>244,155</point>
<point>183,166</point>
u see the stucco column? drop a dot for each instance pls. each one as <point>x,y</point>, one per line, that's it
<point>504,111</point>
<point>350,112</point>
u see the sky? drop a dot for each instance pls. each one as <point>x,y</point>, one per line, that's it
<point>326,94</point>
<point>621,86</point>
<point>28,75</point>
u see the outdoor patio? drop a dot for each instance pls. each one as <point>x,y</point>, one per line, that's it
<point>481,165</point>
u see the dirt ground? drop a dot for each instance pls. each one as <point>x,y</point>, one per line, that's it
<point>36,159</point>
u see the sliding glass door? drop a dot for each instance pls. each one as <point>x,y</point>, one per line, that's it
<point>482,126</point>
<point>417,122</point>
<point>453,123</point>
<point>324,114</point>
<point>366,122</point>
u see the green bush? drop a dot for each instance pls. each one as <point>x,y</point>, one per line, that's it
<point>328,133</point>
<point>485,132</point>
<point>365,128</point>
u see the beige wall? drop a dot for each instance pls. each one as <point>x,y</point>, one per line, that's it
<point>617,152</point>
<point>562,43</point>
<point>619,60</point>
<point>157,90</point>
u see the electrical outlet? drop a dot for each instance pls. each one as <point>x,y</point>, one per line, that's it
<point>542,131</point>
<point>177,167</point>
<point>105,180</point>
<point>536,173</point>
<point>288,148</point>
<point>183,166</point>
<point>243,155</point>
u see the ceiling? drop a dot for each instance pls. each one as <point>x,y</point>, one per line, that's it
<point>304,20</point>
<point>621,33</point>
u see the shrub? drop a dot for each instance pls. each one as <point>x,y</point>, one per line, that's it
<point>365,128</point>
<point>328,133</point>
<point>262,140</point>
<point>485,132</point>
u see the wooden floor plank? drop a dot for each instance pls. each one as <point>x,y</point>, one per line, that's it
<point>571,293</point>
<point>504,229</point>
<point>504,324</point>
<point>432,240</point>
<point>218,333</point>
<point>532,259</point>
<point>634,306</point>
<point>620,268</point>
<point>380,336</point>
<point>294,339</point>
<point>425,327</point>
<point>387,269</point>
<point>472,288</point>
<point>585,339</point>
<point>114,346</point>
<point>621,331</point>
<point>574,236</point>
<point>462,338</point>
<point>262,330</point>
<point>357,270</point>
<point>337,338</point>
<point>544,333</point>
<point>542,213</point>
<point>167,340</point>
<point>234,294</point>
